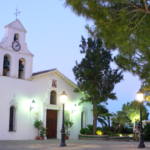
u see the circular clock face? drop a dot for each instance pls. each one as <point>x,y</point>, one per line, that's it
<point>16,46</point>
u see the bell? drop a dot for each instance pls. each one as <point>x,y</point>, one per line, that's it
<point>6,64</point>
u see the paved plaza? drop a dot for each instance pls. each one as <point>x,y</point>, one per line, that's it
<point>71,145</point>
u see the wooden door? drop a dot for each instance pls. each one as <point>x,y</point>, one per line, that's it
<point>51,124</point>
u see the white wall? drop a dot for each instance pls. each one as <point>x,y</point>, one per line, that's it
<point>20,93</point>
<point>73,98</point>
<point>17,93</point>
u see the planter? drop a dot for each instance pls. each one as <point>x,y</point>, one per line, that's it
<point>66,137</point>
<point>39,138</point>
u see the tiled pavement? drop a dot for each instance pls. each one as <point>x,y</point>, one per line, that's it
<point>71,145</point>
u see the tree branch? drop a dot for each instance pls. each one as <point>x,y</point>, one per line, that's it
<point>141,10</point>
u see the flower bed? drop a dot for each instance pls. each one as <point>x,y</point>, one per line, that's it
<point>105,137</point>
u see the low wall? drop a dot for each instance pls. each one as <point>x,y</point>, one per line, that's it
<point>105,137</point>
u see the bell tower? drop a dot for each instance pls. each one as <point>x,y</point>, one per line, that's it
<point>15,58</point>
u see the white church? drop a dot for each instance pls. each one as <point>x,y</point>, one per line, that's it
<point>27,96</point>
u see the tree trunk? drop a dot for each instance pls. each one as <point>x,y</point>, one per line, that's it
<point>108,121</point>
<point>94,118</point>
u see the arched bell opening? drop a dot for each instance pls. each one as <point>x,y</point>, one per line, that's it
<point>21,68</point>
<point>16,37</point>
<point>6,65</point>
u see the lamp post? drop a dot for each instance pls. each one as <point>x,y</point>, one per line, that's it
<point>63,98</point>
<point>140,98</point>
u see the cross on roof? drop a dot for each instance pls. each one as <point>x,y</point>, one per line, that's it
<point>17,13</point>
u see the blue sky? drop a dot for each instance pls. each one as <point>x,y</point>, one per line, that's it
<point>54,34</point>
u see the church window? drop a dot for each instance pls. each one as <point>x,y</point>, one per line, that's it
<point>6,65</point>
<point>53,97</point>
<point>54,83</point>
<point>16,37</point>
<point>12,118</point>
<point>21,68</point>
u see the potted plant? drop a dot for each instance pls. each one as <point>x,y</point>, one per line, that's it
<point>68,124</point>
<point>41,130</point>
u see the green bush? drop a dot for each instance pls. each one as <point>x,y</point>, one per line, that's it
<point>87,131</point>
<point>38,124</point>
<point>90,127</point>
<point>125,130</point>
<point>112,131</point>
<point>84,131</point>
<point>107,130</point>
<point>147,132</point>
<point>68,124</point>
<point>42,131</point>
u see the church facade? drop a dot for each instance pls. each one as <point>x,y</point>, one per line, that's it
<point>26,96</point>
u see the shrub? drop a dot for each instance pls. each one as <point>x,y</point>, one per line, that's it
<point>68,124</point>
<point>125,130</point>
<point>147,132</point>
<point>87,131</point>
<point>107,130</point>
<point>84,131</point>
<point>90,127</point>
<point>42,131</point>
<point>38,124</point>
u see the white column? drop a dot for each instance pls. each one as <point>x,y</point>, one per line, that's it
<point>28,68</point>
<point>14,67</point>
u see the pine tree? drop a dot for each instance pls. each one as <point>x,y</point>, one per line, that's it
<point>123,25</point>
<point>94,75</point>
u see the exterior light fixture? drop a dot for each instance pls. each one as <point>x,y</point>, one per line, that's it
<point>32,105</point>
<point>63,98</point>
<point>140,98</point>
<point>74,108</point>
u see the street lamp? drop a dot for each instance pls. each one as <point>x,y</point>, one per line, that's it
<point>140,98</point>
<point>63,98</point>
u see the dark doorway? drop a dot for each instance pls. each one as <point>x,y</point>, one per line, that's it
<point>51,123</point>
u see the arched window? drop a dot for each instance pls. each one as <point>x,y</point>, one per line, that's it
<point>6,65</point>
<point>21,68</point>
<point>53,97</point>
<point>16,37</point>
<point>12,113</point>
